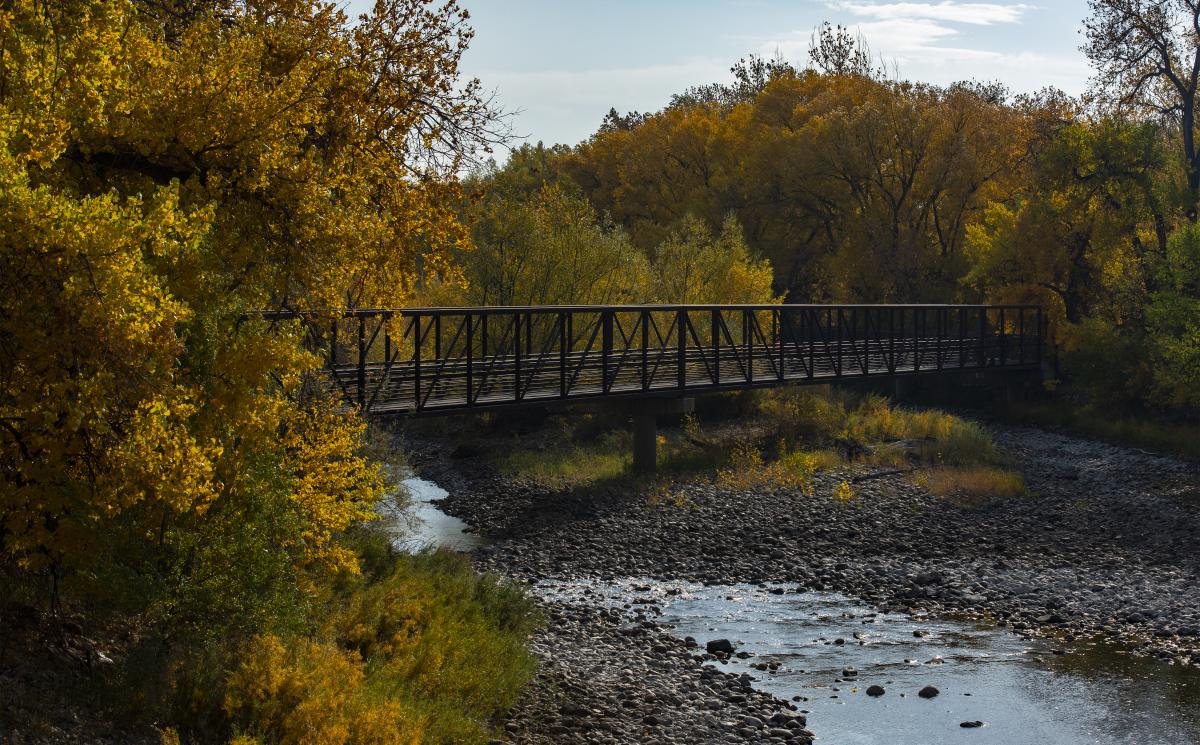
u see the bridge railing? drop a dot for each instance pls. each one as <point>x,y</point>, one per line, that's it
<point>423,360</point>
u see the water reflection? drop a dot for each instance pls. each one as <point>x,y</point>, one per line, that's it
<point>1023,691</point>
<point>422,525</point>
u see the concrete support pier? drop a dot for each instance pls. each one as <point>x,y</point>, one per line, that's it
<point>645,428</point>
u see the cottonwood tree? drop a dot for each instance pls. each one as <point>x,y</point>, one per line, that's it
<point>1147,58</point>
<point>166,167</point>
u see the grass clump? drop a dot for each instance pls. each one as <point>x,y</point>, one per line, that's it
<point>572,463</point>
<point>980,481</point>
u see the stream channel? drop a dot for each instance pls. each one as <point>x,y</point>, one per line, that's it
<point>1024,692</point>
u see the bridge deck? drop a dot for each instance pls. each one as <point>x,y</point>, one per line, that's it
<point>442,360</point>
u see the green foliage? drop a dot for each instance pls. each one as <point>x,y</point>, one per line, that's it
<point>695,266</point>
<point>548,249</point>
<point>572,463</point>
<point>428,652</point>
<point>868,426</point>
<point>1174,320</point>
<point>1103,423</point>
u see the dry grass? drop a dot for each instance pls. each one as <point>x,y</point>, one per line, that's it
<point>570,464</point>
<point>980,482</point>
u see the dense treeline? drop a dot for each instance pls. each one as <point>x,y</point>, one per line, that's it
<point>168,485</point>
<point>858,187</point>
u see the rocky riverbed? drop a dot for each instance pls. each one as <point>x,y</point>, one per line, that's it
<point>1103,546</point>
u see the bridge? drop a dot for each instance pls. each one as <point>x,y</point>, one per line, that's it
<point>422,361</point>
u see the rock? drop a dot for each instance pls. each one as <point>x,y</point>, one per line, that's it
<point>719,646</point>
<point>928,692</point>
<point>970,725</point>
<point>927,578</point>
<point>849,672</point>
<point>875,691</point>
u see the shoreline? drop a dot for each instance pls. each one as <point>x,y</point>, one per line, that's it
<point>1102,548</point>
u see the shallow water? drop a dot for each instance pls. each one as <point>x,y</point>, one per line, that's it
<point>422,525</point>
<point>1022,691</point>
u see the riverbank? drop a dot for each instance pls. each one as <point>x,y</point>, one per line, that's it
<point>1103,545</point>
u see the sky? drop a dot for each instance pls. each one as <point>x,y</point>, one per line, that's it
<point>560,66</point>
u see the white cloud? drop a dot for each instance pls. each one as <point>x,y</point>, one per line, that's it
<point>980,14</point>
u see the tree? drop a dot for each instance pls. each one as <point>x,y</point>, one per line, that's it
<point>694,265</point>
<point>1147,58</point>
<point>750,76</point>
<point>548,249</point>
<point>165,168</point>
<point>833,51</point>
<point>1174,321</point>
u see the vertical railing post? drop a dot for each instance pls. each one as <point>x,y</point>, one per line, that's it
<point>1003,346</point>
<point>606,319</point>
<point>810,325</point>
<point>483,346</point>
<point>529,335</point>
<point>962,337</point>
<point>416,326</point>
<point>982,332</point>
<point>777,329</point>
<point>838,360</point>
<point>362,361</point>
<point>941,331</point>
<point>437,338</point>
<point>333,344</point>
<point>892,340</point>
<point>920,324</point>
<point>562,354</point>
<point>748,340</point>
<point>516,324</point>
<point>715,320</point>
<point>681,360</point>
<point>1041,325</point>
<point>645,350</point>
<point>1021,337</point>
<point>470,321</point>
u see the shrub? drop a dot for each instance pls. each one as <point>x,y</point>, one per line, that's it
<point>429,652</point>
<point>747,470</point>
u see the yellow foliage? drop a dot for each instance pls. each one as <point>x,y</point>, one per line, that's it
<point>429,652</point>
<point>312,693</point>
<point>162,174</point>
<point>844,492</point>
<point>747,470</point>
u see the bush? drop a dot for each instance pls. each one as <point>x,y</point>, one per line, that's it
<point>862,424</point>
<point>429,652</point>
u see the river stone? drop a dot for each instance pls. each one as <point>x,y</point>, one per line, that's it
<point>928,692</point>
<point>719,646</point>
<point>970,725</point>
<point>875,691</point>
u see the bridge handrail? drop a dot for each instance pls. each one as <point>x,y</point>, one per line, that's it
<point>626,308</point>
